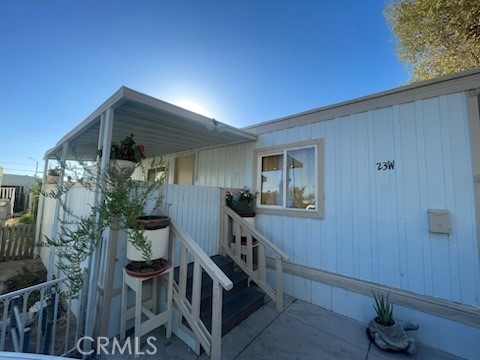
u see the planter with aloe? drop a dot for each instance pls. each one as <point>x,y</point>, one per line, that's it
<point>385,332</point>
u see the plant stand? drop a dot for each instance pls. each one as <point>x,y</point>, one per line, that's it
<point>146,307</point>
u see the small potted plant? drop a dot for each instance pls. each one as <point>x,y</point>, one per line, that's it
<point>53,175</point>
<point>385,332</point>
<point>384,310</point>
<point>242,202</point>
<point>126,155</point>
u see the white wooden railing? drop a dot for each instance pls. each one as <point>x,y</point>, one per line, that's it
<point>251,256</point>
<point>36,320</point>
<point>190,251</point>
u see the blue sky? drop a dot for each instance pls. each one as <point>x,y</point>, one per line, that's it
<point>241,62</point>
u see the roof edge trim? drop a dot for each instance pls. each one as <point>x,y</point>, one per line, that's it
<point>460,81</point>
<point>113,101</point>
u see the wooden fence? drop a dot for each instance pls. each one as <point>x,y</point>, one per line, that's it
<point>17,242</point>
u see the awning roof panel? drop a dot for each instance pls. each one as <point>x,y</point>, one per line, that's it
<point>161,127</point>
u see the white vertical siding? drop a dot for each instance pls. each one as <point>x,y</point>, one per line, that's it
<point>196,209</point>
<point>230,167</point>
<point>376,223</point>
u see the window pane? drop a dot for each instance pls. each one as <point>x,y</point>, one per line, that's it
<point>301,179</point>
<point>158,174</point>
<point>271,192</point>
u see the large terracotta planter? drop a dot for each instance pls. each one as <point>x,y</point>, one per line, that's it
<point>156,231</point>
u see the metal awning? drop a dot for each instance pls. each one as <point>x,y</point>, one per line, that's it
<point>161,127</point>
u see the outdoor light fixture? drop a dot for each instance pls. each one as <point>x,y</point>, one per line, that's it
<point>215,125</point>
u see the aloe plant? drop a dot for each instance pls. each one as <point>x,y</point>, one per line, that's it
<point>384,309</point>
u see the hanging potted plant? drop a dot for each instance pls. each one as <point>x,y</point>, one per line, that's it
<point>126,155</point>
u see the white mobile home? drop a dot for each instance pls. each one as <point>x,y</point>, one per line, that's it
<point>380,193</point>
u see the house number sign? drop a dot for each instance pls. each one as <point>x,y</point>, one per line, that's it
<point>386,165</point>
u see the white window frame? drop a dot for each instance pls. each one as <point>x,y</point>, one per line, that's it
<point>319,211</point>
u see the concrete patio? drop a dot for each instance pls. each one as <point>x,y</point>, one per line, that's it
<point>301,331</point>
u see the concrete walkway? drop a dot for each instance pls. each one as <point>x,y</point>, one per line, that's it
<point>301,331</point>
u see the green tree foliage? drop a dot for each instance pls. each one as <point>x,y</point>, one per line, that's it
<point>436,37</point>
<point>124,201</point>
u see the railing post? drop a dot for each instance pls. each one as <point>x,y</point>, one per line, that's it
<point>183,272</point>
<point>262,263</point>
<point>216,346</point>
<point>249,252</point>
<point>279,283</point>
<point>196,290</point>
<point>224,234</point>
<point>237,230</point>
<point>13,325</point>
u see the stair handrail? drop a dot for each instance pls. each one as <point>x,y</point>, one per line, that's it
<point>197,252</point>
<point>255,233</point>
<point>210,340</point>
<point>258,277</point>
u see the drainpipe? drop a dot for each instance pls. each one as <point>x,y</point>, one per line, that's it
<point>103,147</point>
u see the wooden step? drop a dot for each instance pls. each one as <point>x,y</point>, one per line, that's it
<point>240,282</point>
<point>236,308</point>
<point>238,303</point>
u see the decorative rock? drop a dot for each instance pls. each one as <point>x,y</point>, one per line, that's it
<point>394,337</point>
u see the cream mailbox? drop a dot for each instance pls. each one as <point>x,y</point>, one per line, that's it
<point>439,221</point>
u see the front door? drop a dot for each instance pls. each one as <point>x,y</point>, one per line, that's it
<point>184,170</point>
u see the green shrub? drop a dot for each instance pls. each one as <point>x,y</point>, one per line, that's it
<point>26,219</point>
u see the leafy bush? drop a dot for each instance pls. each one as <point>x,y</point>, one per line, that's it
<point>26,219</point>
